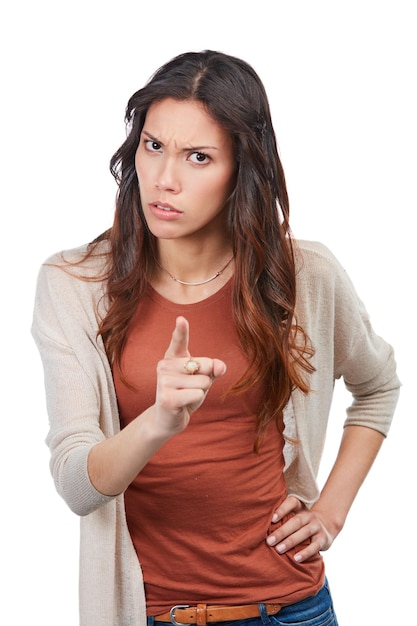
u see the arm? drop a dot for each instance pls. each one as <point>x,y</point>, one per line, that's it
<point>323,522</point>
<point>114,462</point>
<point>89,457</point>
<point>346,347</point>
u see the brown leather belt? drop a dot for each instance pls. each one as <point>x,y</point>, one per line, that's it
<point>203,614</point>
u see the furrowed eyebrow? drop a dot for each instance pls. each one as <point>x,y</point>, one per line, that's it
<point>151,137</point>
<point>189,149</point>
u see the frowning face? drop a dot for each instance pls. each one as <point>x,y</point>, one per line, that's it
<point>186,170</point>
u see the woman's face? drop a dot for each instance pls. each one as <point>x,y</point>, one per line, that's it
<point>186,169</point>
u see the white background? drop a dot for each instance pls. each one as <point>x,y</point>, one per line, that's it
<point>341,77</point>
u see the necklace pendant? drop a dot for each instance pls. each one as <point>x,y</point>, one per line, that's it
<point>201,282</point>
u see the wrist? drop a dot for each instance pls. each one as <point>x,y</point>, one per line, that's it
<point>333,519</point>
<point>152,429</point>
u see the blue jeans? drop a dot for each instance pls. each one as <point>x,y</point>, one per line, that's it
<point>313,611</point>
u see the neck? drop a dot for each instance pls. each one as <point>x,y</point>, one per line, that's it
<point>187,274</point>
<point>193,262</point>
<point>197,283</point>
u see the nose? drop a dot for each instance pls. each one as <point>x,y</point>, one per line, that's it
<point>167,176</point>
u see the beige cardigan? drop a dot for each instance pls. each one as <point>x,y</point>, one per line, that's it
<point>82,408</point>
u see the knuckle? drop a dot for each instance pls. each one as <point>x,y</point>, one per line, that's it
<point>200,394</point>
<point>163,400</point>
<point>163,381</point>
<point>206,384</point>
<point>314,547</point>
<point>161,366</point>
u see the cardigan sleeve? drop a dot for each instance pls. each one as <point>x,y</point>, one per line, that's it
<point>364,360</point>
<point>79,395</point>
<point>347,347</point>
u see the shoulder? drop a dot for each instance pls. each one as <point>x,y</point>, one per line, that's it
<point>324,288</point>
<point>314,256</point>
<point>316,266</point>
<point>88,261</point>
<point>71,295</point>
<point>72,280</point>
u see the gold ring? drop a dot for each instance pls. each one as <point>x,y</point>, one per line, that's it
<point>191,366</point>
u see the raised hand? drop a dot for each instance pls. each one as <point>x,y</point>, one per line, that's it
<point>180,392</point>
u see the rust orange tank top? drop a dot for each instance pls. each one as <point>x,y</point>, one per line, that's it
<point>199,512</point>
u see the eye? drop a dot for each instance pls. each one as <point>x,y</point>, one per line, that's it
<point>152,146</point>
<point>199,157</point>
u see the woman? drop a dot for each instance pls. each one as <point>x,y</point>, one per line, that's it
<point>190,354</point>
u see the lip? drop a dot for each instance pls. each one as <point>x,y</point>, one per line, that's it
<point>164,211</point>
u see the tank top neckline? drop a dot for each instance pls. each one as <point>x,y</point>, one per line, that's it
<point>219,294</point>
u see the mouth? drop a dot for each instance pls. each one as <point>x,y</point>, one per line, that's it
<point>161,209</point>
<point>165,207</point>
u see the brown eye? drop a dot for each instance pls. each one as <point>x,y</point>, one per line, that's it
<point>152,146</point>
<point>199,157</point>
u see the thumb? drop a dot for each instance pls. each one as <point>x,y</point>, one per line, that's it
<point>179,340</point>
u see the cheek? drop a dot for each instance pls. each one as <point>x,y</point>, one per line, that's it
<point>143,184</point>
<point>138,168</point>
<point>143,173</point>
<point>223,187</point>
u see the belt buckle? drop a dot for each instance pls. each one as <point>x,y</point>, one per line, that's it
<point>172,614</point>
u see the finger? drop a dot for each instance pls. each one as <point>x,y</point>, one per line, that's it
<point>177,400</point>
<point>310,532</point>
<point>219,368</point>
<point>179,340</point>
<point>207,368</point>
<point>313,548</point>
<point>291,527</point>
<point>212,368</point>
<point>294,540</point>
<point>289,505</point>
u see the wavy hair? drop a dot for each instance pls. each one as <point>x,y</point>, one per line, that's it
<point>264,293</point>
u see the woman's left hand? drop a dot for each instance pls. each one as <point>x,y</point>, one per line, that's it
<point>304,525</point>
<point>317,528</point>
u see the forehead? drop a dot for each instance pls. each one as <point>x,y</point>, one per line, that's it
<point>184,122</point>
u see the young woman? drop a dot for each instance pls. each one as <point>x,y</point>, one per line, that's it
<point>190,354</point>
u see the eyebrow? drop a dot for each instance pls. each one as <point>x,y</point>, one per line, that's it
<point>188,149</point>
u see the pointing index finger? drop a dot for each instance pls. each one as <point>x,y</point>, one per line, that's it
<point>179,341</point>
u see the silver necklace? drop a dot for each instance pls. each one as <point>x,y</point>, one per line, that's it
<point>201,282</point>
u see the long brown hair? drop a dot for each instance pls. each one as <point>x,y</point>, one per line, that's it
<point>265,277</point>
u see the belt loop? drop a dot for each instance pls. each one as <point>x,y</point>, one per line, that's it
<point>201,619</point>
<point>263,613</point>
